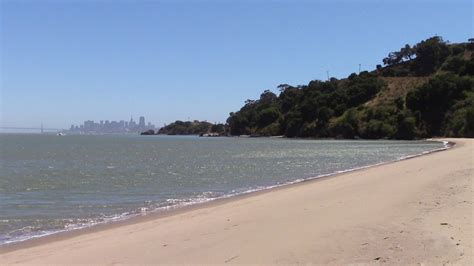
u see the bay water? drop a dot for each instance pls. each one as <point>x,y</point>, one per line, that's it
<point>52,183</point>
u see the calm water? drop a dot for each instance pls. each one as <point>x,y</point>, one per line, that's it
<point>54,183</point>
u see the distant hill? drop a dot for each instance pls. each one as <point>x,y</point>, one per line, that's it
<point>191,128</point>
<point>421,91</point>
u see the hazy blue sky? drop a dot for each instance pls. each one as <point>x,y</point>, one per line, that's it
<point>63,62</point>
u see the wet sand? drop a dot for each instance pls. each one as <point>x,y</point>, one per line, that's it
<point>413,211</point>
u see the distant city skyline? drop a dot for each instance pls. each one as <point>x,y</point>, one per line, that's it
<point>112,126</point>
<point>63,62</point>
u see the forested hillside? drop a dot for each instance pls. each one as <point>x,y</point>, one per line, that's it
<point>423,90</point>
<point>191,128</point>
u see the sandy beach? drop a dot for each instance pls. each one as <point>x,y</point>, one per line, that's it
<point>413,211</point>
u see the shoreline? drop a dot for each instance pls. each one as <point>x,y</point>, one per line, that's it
<point>412,211</point>
<point>176,210</point>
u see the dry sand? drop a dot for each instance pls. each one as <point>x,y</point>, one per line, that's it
<point>413,211</point>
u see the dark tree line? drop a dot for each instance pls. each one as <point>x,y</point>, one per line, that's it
<point>406,53</point>
<point>422,59</point>
<point>192,128</point>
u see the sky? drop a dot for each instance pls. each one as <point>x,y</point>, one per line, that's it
<point>63,62</point>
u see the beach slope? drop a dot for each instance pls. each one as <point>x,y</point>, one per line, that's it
<point>413,211</point>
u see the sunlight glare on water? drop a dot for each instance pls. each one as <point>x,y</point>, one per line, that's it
<point>50,183</point>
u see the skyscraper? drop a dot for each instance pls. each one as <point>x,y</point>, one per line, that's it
<point>106,126</point>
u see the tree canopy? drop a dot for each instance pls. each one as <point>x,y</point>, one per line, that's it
<point>191,128</point>
<point>443,105</point>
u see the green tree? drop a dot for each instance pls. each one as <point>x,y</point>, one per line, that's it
<point>406,126</point>
<point>430,55</point>
<point>469,123</point>
<point>345,126</point>
<point>433,99</point>
<point>268,116</point>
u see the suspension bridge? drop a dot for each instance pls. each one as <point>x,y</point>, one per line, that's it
<point>40,129</point>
